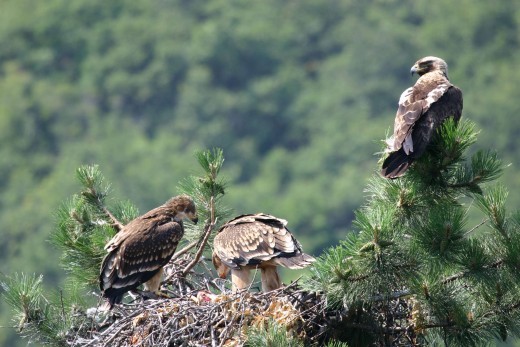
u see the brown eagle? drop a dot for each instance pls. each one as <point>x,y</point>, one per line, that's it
<point>256,241</point>
<point>422,108</point>
<point>138,252</point>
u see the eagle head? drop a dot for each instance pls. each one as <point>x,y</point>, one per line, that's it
<point>222,269</point>
<point>184,207</point>
<point>429,64</point>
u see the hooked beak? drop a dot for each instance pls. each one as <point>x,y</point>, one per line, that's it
<point>413,69</point>
<point>195,220</point>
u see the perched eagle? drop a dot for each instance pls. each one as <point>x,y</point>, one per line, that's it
<point>256,241</point>
<point>138,252</point>
<point>422,108</point>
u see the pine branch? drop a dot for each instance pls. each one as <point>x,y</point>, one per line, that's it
<point>39,318</point>
<point>95,193</point>
<point>207,191</point>
<point>273,334</point>
<point>207,232</point>
<point>412,243</point>
<point>462,274</point>
<point>183,251</point>
<point>114,222</point>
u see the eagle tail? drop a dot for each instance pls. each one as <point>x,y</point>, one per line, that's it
<point>299,261</point>
<point>112,286</point>
<point>396,164</point>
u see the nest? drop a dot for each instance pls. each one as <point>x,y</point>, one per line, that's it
<point>195,316</point>
<point>201,320</point>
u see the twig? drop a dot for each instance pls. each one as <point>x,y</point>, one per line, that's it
<point>176,256</point>
<point>108,342</point>
<point>116,224</point>
<point>183,250</point>
<point>207,233</point>
<point>476,226</point>
<point>213,337</point>
<point>464,273</point>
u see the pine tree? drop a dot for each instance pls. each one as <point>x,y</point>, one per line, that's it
<point>84,225</point>
<point>415,272</point>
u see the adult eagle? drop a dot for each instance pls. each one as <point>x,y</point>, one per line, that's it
<point>138,252</point>
<point>422,108</point>
<point>256,241</point>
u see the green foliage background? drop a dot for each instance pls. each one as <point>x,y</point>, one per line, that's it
<point>297,93</point>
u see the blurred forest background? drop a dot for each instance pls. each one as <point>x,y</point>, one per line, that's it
<point>298,93</point>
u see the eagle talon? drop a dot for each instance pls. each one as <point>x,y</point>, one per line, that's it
<point>161,295</point>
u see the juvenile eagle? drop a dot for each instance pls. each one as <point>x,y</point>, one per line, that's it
<point>422,108</point>
<point>254,241</point>
<point>138,252</point>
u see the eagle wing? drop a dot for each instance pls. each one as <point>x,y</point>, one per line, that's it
<point>136,254</point>
<point>413,104</point>
<point>254,239</point>
<point>150,251</point>
<point>448,105</point>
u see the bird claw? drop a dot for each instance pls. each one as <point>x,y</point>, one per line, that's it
<point>162,295</point>
<point>153,295</point>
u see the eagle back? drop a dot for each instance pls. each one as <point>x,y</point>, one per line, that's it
<point>413,103</point>
<point>252,239</point>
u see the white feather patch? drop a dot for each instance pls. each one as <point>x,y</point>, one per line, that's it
<point>435,94</point>
<point>122,283</point>
<point>408,144</point>
<point>405,96</point>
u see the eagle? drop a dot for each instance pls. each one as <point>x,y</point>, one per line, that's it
<point>138,252</point>
<point>256,241</point>
<point>422,108</point>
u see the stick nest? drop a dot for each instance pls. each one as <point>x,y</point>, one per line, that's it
<point>195,316</point>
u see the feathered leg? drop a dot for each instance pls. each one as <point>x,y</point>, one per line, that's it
<point>154,283</point>
<point>270,279</point>
<point>241,279</point>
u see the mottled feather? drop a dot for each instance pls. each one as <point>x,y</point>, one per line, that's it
<point>252,239</point>
<point>257,241</point>
<point>139,251</point>
<point>421,110</point>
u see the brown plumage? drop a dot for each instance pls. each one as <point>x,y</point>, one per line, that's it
<point>258,241</point>
<point>138,252</point>
<point>422,108</point>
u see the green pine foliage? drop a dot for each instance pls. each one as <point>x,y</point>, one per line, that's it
<point>207,191</point>
<point>413,242</point>
<point>272,335</point>
<point>284,87</point>
<point>37,317</point>
<point>84,224</point>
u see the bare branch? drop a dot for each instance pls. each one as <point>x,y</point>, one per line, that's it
<point>207,232</point>
<point>116,224</point>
